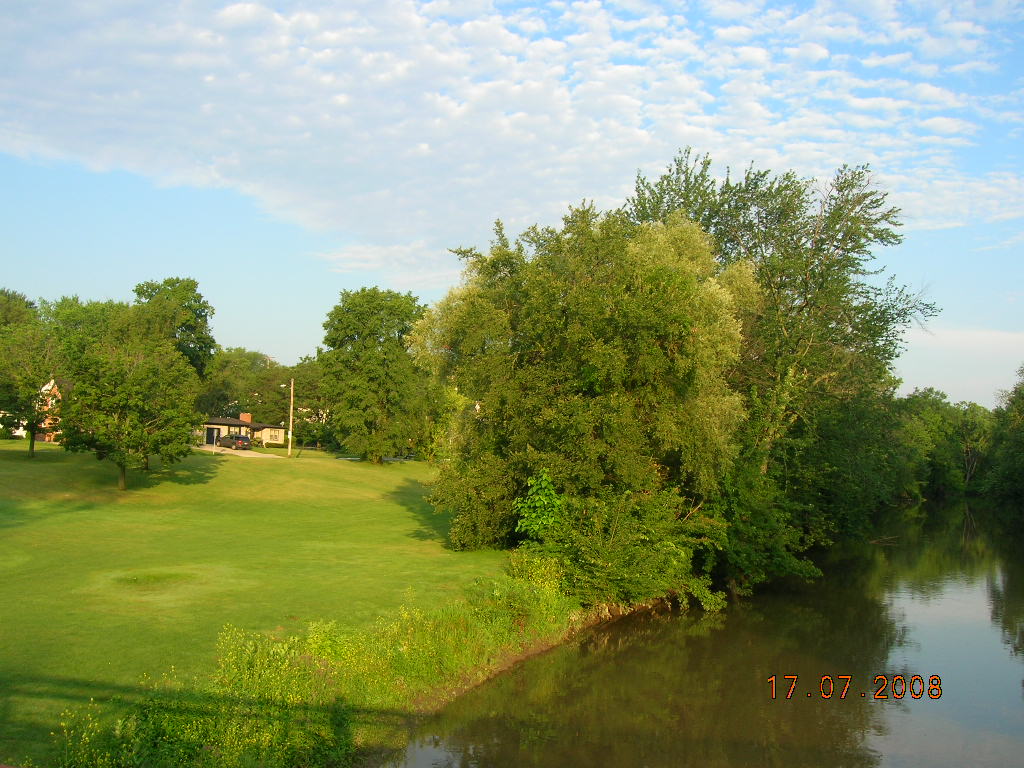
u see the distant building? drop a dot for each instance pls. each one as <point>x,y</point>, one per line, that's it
<point>216,426</point>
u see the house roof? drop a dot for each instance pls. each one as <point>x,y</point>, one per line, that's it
<point>227,421</point>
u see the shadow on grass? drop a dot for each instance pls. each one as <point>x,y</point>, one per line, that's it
<point>434,525</point>
<point>74,695</point>
<point>55,482</point>
<point>193,470</point>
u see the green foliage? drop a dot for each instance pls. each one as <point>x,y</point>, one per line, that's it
<point>930,429</point>
<point>28,361</point>
<point>312,404</point>
<point>380,403</point>
<point>974,429</point>
<point>631,547</point>
<point>1005,479</point>
<point>240,380</point>
<point>598,351</point>
<point>819,338</point>
<point>130,393</point>
<point>15,308</point>
<point>285,703</point>
<point>766,533</point>
<point>180,312</point>
<point>539,510</point>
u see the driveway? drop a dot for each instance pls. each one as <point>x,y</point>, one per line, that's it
<point>249,454</point>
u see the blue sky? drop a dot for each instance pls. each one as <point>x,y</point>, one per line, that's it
<point>282,152</point>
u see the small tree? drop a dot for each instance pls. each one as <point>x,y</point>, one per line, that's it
<point>131,397</point>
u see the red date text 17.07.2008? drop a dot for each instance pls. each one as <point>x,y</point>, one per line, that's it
<point>884,687</point>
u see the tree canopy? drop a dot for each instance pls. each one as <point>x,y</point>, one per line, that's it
<point>240,380</point>
<point>15,308</point>
<point>817,348</point>
<point>181,312</point>
<point>599,352</point>
<point>131,394</point>
<point>378,399</point>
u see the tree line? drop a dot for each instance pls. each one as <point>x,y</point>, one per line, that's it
<point>690,391</point>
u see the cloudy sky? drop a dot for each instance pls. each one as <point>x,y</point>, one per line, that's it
<point>281,152</point>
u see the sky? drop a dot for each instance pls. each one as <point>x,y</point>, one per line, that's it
<point>280,153</point>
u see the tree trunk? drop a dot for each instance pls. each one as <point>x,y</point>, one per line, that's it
<point>122,480</point>
<point>31,444</point>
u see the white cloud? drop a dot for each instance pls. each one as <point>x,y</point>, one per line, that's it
<point>948,125</point>
<point>892,60</point>
<point>808,52</point>
<point>396,122</point>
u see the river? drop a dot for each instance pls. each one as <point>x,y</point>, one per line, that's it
<point>931,618</point>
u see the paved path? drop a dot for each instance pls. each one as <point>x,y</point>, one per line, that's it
<point>249,454</point>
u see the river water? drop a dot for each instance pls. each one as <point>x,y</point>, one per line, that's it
<point>932,619</point>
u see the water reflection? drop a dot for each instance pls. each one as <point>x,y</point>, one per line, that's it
<point>935,598</point>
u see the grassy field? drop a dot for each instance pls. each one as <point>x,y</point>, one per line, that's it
<point>100,587</point>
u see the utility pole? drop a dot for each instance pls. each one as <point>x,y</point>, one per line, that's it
<point>291,414</point>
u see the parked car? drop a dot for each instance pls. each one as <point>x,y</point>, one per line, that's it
<point>234,441</point>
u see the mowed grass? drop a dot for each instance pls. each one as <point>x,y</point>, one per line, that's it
<point>100,587</point>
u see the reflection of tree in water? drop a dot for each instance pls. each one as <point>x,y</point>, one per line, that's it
<point>947,542</point>
<point>677,691</point>
<point>1006,590</point>
<point>670,691</point>
<point>961,540</point>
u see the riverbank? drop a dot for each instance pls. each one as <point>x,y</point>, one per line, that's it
<point>331,697</point>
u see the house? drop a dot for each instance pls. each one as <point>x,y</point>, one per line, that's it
<point>217,426</point>
<point>50,394</point>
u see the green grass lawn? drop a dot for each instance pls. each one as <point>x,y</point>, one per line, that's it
<point>100,587</point>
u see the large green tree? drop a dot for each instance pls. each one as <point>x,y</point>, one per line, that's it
<point>380,401</point>
<point>177,309</point>
<point>817,347</point>
<point>131,392</point>
<point>598,352</point>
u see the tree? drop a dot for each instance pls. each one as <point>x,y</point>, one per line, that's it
<point>131,393</point>
<point>823,336</point>
<point>379,399</point>
<point>595,355</point>
<point>973,430</point>
<point>179,311</point>
<point>28,361</point>
<point>1005,479</point>
<point>15,308</point>
<point>240,380</point>
<point>312,403</point>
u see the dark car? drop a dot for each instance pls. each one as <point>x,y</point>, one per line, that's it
<point>234,441</point>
